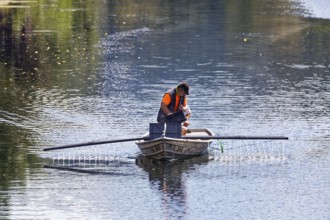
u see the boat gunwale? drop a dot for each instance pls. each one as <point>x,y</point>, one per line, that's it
<point>186,139</point>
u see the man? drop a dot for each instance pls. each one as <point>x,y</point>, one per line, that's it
<point>174,100</point>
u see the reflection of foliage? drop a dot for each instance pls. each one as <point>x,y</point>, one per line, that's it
<point>12,159</point>
<point>34,44</point>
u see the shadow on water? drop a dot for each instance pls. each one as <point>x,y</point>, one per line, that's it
<point>112,165</point>
<point>167,177</point>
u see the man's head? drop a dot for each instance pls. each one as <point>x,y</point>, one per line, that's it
<point>184,87</point>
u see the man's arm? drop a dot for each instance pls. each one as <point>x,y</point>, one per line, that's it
<point>165,109</point>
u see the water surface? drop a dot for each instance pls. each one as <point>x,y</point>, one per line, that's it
<point>79,71</point>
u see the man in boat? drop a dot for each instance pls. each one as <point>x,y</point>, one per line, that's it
<point>175,100</point>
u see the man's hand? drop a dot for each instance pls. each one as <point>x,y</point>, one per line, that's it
<point>186,123</point>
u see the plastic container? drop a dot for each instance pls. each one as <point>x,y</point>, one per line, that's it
<point>176,117</point>
<point>173,130</point>
<point>156,130</point>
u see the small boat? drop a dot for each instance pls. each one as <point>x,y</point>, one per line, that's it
<point>164,147</point>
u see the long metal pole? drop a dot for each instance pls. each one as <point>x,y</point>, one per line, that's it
<point>237,137</point>
<point>93,143</point>
<point>183,137</point>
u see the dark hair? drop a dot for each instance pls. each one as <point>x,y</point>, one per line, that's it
<point>185,87</point>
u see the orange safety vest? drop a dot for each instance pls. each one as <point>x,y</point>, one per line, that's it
<point>172,100</point>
